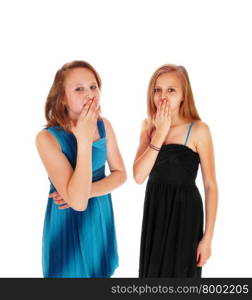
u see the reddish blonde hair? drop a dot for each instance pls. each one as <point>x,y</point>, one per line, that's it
<point>55,112</point>
<point>187,109</point>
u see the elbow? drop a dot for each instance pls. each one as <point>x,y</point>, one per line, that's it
<point>76,205</point>
<point>211,186</point>
<point>138,179</point>
<point>137,175</point>
<point>122,176</point>
<point>79,208</point>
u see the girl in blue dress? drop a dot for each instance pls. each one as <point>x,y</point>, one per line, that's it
<point>79,237</point>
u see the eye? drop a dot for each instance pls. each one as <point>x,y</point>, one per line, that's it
<point>93,87</point>
<point>170,90</point>
<point>156,90</point>
<point>79,89</point>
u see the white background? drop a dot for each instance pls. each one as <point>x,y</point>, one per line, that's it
<point>126,41</point>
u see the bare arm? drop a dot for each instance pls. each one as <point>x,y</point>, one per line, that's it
<point>73,185</point>
<point>206,152</point>
<point>145,156</point>
<point>205,149</point>
<point>116,165</point>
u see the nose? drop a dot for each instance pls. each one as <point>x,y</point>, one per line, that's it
<point>89,95</point>
<point>163,95</point>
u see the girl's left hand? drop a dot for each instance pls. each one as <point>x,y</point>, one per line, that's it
<point>58,200</point>
<point>203,252</point>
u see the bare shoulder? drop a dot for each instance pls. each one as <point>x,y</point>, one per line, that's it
<point>146,126</point>
<point>201,129</point>
<point>106,122</point>
<point>45,138</point>
<point>110,133</point>
<point>202,136</point>
<point>107,125</point>
<point>145,133</point>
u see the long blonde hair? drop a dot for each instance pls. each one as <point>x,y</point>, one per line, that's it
<point>187,108</point>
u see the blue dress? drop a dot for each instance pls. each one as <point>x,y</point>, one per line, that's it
<point>80,243</point>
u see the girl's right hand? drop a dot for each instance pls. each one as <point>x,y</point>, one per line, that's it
<point>87,122</point>
<point>162,118</point>
<point>57,198</point>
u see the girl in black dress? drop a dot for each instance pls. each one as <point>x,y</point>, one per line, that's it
<point>173,142</point>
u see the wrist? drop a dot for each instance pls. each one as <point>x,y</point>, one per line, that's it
<point>207,238</point>
<point>154,147</point>
<point>83,140</point>
<point>159,135</point>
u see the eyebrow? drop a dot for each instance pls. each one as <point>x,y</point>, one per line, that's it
<point>168,86</point>
<point>79,83</point>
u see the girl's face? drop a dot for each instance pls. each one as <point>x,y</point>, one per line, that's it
<point>168,86</point>
<point>80,86</point>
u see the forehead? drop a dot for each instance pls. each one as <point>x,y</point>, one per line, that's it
<point>79,75</point>
<point>169,78</point>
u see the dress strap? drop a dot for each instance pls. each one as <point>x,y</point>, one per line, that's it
<point>101,127</point>
<point>188,133</point>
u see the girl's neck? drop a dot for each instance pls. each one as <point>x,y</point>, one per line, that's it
<point>177,120</point>
<point>73,117</point>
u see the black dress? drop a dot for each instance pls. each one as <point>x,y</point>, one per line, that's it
<point>173,217</point>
